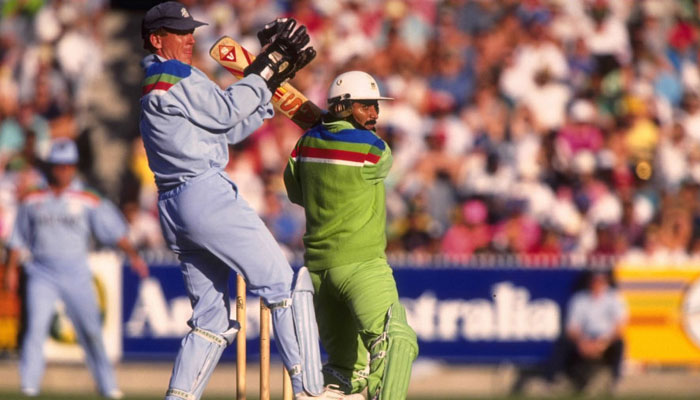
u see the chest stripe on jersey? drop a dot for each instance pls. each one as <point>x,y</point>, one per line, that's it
<point>350,135</point>
<point>161,76</point>
<point>332,156</point>
<point>162,82</point>
<point>88,198</point>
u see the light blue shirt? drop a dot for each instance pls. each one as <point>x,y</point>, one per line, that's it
<point>58,229</point>
<point>187,121</point>
<point>596,316</point>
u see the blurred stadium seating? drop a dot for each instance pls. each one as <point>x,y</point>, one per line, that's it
<point>527,135</point>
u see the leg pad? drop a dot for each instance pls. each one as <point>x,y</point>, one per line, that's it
<point>393,352</point>
<point>200,353</point>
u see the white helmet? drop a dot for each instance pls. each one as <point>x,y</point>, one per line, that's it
<point>352,85</point>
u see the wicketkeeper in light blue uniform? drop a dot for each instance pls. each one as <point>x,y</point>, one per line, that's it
<point>56,226</point>
<point>187,123</point>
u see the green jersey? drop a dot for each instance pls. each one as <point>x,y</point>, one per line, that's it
<point>336,172</point>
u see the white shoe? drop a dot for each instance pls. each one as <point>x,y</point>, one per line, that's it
<point>330,392</point>
<point>115,394</point>
<point>30,392</point>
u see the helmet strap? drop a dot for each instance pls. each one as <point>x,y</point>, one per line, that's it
<point>342,108</point>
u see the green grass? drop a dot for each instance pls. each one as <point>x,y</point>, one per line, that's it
<point>4,395</point>
<point>64,396</point>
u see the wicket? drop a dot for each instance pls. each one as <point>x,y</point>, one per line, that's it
<point>264,349</point>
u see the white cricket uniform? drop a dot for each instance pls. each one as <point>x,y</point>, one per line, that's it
<point>187,123</point>
<point>57,229</point>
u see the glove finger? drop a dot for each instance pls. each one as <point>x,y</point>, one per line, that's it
<point>305,58</point>
<point>300,38</point>
<point>272,25</point>
<point>287,28</point>
<point>277,23</point>
<point>265,38</point>
<point>266,34</point>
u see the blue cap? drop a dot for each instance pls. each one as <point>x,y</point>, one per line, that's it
<point>63,151</point>
<point>171,14</point>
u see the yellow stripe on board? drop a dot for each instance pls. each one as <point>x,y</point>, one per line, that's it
<point>660,330</point>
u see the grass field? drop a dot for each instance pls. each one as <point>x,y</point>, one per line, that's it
<point>148,380</point>
<point>49,396</point>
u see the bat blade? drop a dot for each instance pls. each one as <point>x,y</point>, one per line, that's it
<point>286,99</point>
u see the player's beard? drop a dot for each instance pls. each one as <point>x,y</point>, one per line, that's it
<point>365,126</point>
<point>371,125</point>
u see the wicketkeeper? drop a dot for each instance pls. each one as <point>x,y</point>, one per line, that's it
<point>336,172</point>
<point>187,123</point>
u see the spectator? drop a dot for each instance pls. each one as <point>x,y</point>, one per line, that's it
<point>580,132</point>
<point>549,246</point>
<point>518,232</point>
<point>484,105</point>
<point>672,158</point>
<point>595,320</point>
<point>547,99</point>
<point>470,233</point>
<point>605,34</point>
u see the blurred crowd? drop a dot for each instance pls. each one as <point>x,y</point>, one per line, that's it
<point>532,127</point>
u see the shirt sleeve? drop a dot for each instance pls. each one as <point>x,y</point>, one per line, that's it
<point>377,172</point>
<point>107,223</point>
<point>291,181</point>
<point>241,130</point>
<point>621,313</point>
<point>205,104</point>
<point>574,315</point>
<point>19,238</point>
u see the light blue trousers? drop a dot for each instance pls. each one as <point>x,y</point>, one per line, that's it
<point>77,293</point>
<point>214,231</point>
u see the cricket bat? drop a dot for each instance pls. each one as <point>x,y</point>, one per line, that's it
<point>286,99</point>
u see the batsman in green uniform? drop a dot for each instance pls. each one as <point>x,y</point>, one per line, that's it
<point>336,172</point>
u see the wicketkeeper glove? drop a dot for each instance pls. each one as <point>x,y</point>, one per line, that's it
<point>284,56</point>
<point>268,32</point>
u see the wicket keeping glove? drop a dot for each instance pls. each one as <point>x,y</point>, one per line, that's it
<point>268,32</point>
<point>278,62</point>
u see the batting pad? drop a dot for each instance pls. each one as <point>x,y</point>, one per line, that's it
<point>307,332</point>
<point>401,346</point>
<point>199,355</point>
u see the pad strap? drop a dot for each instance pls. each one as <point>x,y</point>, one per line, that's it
<point>180,394</point>
<point>286,303</point>
<point>210,336</point>
<point>196,361</point>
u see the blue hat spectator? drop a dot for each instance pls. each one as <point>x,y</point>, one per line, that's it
<point>63,151</point>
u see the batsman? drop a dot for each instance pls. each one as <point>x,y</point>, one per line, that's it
<point>336,172</point>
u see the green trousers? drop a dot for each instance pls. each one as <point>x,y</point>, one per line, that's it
<point>352,302</point>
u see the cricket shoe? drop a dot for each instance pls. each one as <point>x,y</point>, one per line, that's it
<point>330,392</point>
<point>30,392</point>
<point>115,394</point>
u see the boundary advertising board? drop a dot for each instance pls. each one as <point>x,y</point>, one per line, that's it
<point>459,314</point>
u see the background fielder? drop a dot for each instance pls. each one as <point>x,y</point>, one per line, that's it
<point>56,225</point>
